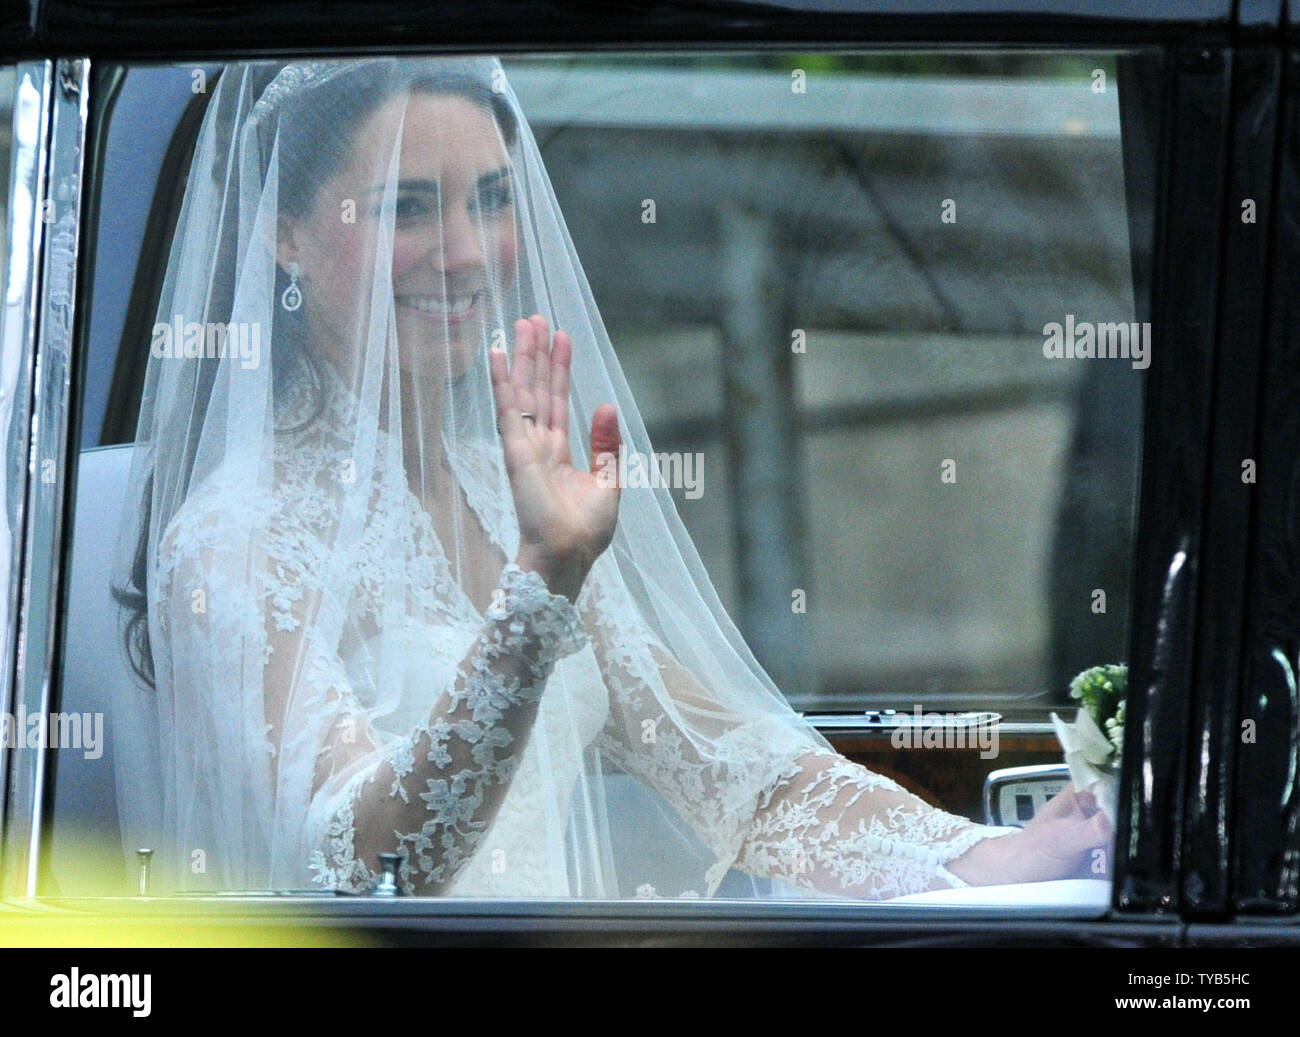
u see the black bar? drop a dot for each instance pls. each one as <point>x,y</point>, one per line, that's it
<point>1267,784</point>
<point>178,29</point>
<point>17,25</point>
<point>1216,731</point>
<point>1175,457</point>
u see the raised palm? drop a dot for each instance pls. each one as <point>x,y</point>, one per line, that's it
<point>566,516</point>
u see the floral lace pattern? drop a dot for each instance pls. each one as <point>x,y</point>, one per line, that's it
<point>767,799</point>
<point>830,823</point>
<point>762,791</point>
<point>472,744</point>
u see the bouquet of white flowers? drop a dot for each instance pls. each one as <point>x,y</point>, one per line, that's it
<point>1094,741</point>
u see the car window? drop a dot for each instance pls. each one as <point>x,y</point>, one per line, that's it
<point>894,307</point>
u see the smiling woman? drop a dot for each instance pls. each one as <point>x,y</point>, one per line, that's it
<point>452,197</point>
<point>378,598</point>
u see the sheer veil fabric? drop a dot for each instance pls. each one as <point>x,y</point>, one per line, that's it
<point>339,656</point>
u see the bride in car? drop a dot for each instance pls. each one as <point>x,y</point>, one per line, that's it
<point>383,594</point>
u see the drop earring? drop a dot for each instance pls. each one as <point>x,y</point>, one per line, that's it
<point>292,297</point>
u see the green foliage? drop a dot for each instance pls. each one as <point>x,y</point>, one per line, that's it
<point>1101,691</point>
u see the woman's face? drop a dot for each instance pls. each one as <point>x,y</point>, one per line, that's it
<point>454,243</point>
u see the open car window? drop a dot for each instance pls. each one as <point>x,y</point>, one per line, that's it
<point>890,312</point>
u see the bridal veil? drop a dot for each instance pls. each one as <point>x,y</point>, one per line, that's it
<point>336,655</point>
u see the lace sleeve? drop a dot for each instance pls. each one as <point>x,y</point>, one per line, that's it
<point>766,793</point>
<point>460,762</point>
<point>275,769</point>
<point>829,825</point>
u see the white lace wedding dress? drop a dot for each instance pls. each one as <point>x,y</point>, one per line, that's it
<point>431,750</point>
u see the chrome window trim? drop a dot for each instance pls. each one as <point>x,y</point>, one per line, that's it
<point>26,182</point>
<point>46,468</point>
<point>541,914</point>
<point>877,722</point>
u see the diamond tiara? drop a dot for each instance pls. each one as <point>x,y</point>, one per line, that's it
<point>301,76</point>
<point>295,78</point>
